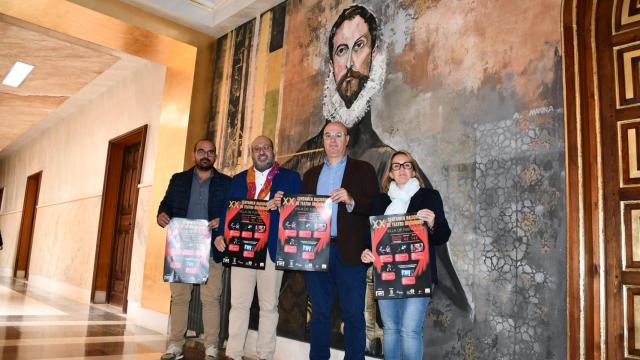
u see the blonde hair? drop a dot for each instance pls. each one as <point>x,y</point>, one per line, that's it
<point>387,179</point>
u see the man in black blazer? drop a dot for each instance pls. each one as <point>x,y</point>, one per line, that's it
<point>352,184</point>
<point>198,193</point>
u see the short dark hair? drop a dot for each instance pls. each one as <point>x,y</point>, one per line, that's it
<point>350,13</point>
<point>195,145</point>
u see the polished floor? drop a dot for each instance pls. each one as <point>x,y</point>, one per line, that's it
<point>37,325</point>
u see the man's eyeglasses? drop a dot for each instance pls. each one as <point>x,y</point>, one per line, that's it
<point>336,135</point>
<point>397,166</point>
<point>265,148</point>
<point>209,153</point>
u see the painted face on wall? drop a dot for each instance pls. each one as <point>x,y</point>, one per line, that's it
<point>351,58</point>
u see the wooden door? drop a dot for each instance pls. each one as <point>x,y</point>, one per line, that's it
<point>25,236</point>
<point>602,77</point>
<point>117,218</point>
<point>618,79</point>
<point>123,237</point>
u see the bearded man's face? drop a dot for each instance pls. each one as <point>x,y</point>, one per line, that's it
<point>351,58</point>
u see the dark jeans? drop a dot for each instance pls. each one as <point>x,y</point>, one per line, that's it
<point>350,282</point>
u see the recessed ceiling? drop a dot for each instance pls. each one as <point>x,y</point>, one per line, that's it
<point>213,17</point>
<point>63,66</point>
<point>209,4</point>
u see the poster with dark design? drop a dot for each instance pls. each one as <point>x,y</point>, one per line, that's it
<point>400,247</point>
<point>246,232</point>
<point>187,251</point>
<point>304,233</point>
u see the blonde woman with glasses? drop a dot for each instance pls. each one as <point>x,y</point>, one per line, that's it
<point>404,192</point>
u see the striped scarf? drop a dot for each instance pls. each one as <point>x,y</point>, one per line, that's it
<point>266,188</point>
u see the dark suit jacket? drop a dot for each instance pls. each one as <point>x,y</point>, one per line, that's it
<point>361,183</point>
<point>423,199</point>
<point>286,181</point>
<point>176,200</point>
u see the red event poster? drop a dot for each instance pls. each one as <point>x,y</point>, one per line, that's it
<point>246,232</point>
<point>187,251</point>
<point>304,233</point>
<point>400,246</point>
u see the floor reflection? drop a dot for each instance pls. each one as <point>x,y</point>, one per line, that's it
<point>38,325</point>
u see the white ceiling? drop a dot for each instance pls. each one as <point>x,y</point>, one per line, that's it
<point>63,67</point>
<point>213,17</point>
<point>69,71</point>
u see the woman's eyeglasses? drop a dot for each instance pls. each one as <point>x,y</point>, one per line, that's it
<point>397,166</point>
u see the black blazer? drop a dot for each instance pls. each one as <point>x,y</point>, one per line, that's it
<point>423,199</point>
<point>361,183</point>
<point>176,200</point>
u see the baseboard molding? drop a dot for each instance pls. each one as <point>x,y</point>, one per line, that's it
<point>6,272</point>
<point>100,297</point>
<point>147,318</point>
<point>135,313</point>
<point>60,288</point>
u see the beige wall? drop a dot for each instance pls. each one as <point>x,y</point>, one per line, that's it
<point>187,56</point>
<point>72,156</point>
<point>200,101</point>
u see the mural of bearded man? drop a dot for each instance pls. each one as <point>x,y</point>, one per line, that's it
<point>357,69</point>
<point>357,61</point>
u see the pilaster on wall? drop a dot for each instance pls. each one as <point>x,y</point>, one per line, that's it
<point>184,63</point>
<point>583,283</point>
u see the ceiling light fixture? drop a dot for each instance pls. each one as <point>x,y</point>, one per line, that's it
<point>19,71</point>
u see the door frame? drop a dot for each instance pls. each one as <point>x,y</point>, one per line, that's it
<point>582,175</point>
<point>108,213</point>
<point>592,321</point>
<point>21,241</point>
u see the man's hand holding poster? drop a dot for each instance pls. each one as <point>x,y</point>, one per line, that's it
<point>304,233</point>
<point>246,232</point>
<point>187,251</point>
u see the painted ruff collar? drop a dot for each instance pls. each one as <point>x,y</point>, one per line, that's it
<point>333,107</point>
